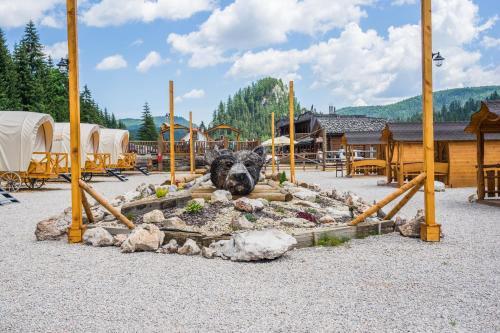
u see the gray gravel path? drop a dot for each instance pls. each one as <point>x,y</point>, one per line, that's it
<point>378,284</point>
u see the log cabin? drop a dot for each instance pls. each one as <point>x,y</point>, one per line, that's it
<point>454,152</point>
<point>365,153</point>
<point>484,124</point>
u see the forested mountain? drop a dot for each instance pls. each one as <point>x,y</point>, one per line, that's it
<point>249,109</point>
<point>134,125</point>
<point>29,81</point>
<point>410,108</point>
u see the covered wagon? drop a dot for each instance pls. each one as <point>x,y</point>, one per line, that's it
<point>115,143</point>
<point>25,150</point>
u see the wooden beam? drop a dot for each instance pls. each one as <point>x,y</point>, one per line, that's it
<point>379,205</point>
<point>273,153</point>
<point>480,165</point>
<point>291,103</point>
<point>76,229</point>
<point>191,145</point>
<point>404,201</point>
<point>86,206</point>
<point>172,133</point>
<point>430,231</point>
<point>100,199</point>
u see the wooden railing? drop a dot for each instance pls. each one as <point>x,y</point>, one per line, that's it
<point>492,180</point>
<point>182,147</point>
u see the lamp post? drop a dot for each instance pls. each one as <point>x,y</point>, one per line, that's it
<point>429,231</point>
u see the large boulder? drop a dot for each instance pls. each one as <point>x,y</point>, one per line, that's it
<point>98,237</point>
<point>248,205</point>
<point>255,245</point>
<point>144,237</point>
<point>306,195</point>
<point>52,228</point>
<point>411,228</point>
<point>154,216</point>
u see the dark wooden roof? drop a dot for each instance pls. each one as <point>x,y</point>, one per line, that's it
<point>487,118</point>
<point>447,131</point>
<point>363,138</point>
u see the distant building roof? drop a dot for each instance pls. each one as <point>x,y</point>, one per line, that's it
<point>363,138</point>
<point>446,131</point>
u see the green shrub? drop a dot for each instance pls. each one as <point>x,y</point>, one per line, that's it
<point>250,217</point>
<point>282,177</point>
<point>193,207</point>
<point>161,192</point>
<point>332,241</point>
<point>311,210</point>
<point>279,210</point>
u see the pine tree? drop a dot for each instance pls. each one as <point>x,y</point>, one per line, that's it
<point>147,131</point>
<point>8,94</point>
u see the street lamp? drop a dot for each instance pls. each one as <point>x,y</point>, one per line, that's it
<point>438,59</point>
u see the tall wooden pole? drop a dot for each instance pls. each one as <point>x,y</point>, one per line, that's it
<point>76,229</point>
<point>429,231</point>
<point>191,144</point>
<point>172,133</point>
<point>292,133</point>
<point>273,162</point>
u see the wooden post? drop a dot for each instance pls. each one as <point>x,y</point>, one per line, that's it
<point>480,165</point>
<point>172,133</point>
<point>404,201</point>
<point>348,160</point>
<point>323,145</point>
<point>191,144</point>
<point>86,207</point>
<point>76,229</point>
<point>388,159</point>
<point>273,163</point>
<point>379,205</point>
<point>292,132</point>
<point>430,231</point>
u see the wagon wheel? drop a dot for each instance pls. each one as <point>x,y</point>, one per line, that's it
<point>87,176</point>
<point>34,183</point>
<point>10,181</point>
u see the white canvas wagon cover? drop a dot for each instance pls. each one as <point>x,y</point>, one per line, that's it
<point>89,140</point>
<point>21,134</point>
<point>114,142</point>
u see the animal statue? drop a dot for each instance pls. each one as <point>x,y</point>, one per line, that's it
<point>236,172</point>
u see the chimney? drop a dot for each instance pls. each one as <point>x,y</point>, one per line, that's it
<point>331,109</point>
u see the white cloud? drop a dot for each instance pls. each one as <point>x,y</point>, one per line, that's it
<point>117,12</point>
<point>111,63</point>
<point>57,50</point>
<point>247,24</point>
<point>403,2</point>
<point>363,67</point>
<point>137,42</point>
<point>153,59</point>
<point>193,94</point>
<point>15,13</point>
<point>490,42</point>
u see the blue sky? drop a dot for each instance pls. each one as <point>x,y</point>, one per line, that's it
<point>342,52</point>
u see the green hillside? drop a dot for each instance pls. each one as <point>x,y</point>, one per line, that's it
<point>407,108</point>
<point>134,124</point>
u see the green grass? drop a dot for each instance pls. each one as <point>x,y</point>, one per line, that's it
<point>311,210</point>
<point>332,241</point>
<point>279,210</point>
<point>250,217</point>
<point>161,192</point>
<point>193,207</point>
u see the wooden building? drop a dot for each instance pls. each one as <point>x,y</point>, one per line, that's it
<point>365,153</point>
<point>312,128</point>
<point>486,123</point>
<point>454,152</point>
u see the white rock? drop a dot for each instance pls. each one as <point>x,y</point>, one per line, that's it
<point>174,222</point>
<point>307,204</point>
<point>119,239</point>
<point>143,190</point>
<point>170,247</point>
<point>208,253</point>
<point>248,205</point>
<point>438,187</point>
<point>189,248</point>
<point>327,219</point>
<point>130,196</point>
<point>200,201</point>
<point>472,198</point>
<point>297,222</point>
<point>52,228</point>
<point>220,196</point>
<point>265,202</point>
<point>241,223</point>
<point>98,237</point>
<point>381,182</point>
<point>154,216</point>
<point>337,213</point>
<point>306,195</point>
<point>144,237</point>
<point>412,227</point>
<point>221,248</point>
<point>256,245</point>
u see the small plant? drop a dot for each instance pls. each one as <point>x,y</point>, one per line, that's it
<point>279,210</point>
<point>332,241</point>
<point>193,207</point>
<point>311,210</point>
<point>161,192</point>
<point>307,216</point>
<point>453,323</point>
<point>130,216</point>
<point>250,217</point>
<point>282,177</point>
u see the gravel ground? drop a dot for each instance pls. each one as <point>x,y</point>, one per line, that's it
<point>381,283</point>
